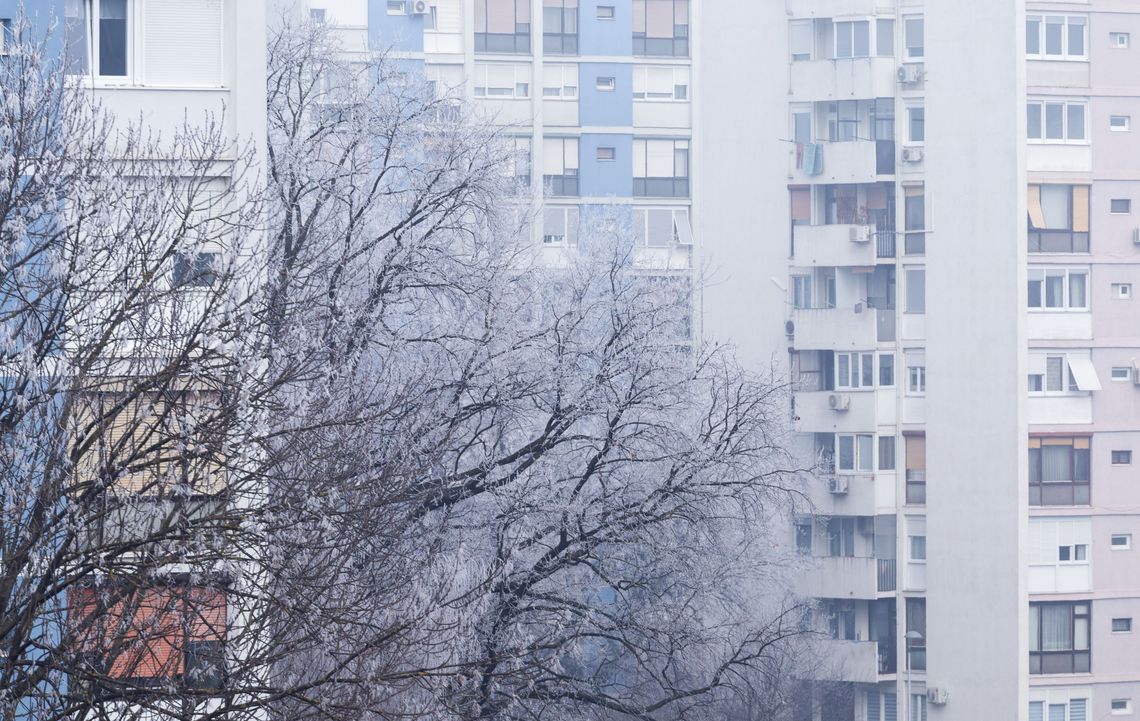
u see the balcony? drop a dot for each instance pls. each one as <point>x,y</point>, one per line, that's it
<point>858,161</point>
<point>840,577</point>
<point>835,328</point>
<point>846,495</point>
<point>846,79</point>
<point>852,661</point>
<point>838,8</point>
<point>834,245</point>
<point>835,411</point>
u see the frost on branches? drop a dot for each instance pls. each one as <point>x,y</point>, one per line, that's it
<point>319,437</point>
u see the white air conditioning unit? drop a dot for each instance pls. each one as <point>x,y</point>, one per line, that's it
<point>910,74</point>
<point>837,485</point>
<point>912,155</point>
<point>937,696</point>
<point>839,401</point>
<point>860,233</point>
<point>418,7</point>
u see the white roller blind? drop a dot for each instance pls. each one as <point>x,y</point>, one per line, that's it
<point>448,16</point>
<point>659,159</point>
<point>639,158</point>
<point>183,42</point>
<point>552,156</point>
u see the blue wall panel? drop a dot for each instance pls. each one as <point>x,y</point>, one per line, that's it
<point>606,178</point>
<point>605,37</point>
<point>605,107</point>
<point>399,32</point>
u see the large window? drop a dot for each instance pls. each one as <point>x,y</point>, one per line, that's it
<point>661,27</point>
<point>854,370</point>
<point>1058,289</point>
<point>914,220</point>
<point>1056,37</point>
<point>560,27</point>
<point>1076,709</point>
<point>916,620</point>
<point>1061,373</point>
<point>662,227</point>
<point>841,537</point>
<point>660,168</point>
<point>502,26</point>
<point>1059,471</point>
<point>560,166</point>
<point>560,225</point>
<point>853,39</point>
<point>1058,218</point>
<point>915,289</point>
<point>661,83</point>
<point>1058,121</point>
<point>856,453</point>
<point>914,32</point>
<point>560,82</point>
<point>1059,638</point>
<point>502,80</point>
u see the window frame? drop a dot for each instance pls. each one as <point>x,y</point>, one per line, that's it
<point>1123,127</point>
<point>1126,625</point>
<point>1067,106</point>
<point>641,74</point>
<point>1125,546</point>
<point>679,185</point>
<point>1121,291</point>
<point>862,444</point>
<point>562,70</point>
<point>571,226</point>
<point>1041,276</point>
<point>1043,22</point>
<point>908,46</point>
<point>1124,456</point>
<point>853,23</point>
<point>520,38</point>
<point>679,41</point>
<point>860,367</point>
<point>1079,658</point>
<point>1076,490</point>
<point>483,73</point>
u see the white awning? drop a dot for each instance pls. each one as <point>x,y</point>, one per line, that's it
<point>1084,373</point>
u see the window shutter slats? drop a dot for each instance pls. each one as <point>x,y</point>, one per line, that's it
<point>183,42</point>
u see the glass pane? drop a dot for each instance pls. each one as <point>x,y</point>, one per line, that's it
<point>1077,283</point>
<point>862,39</point>
<point>846,453</point>
<point>1054,290</point>
<point>1055,201</point>
<point>865,453</point>
<point>1054,32</point>
<point>1076,122</point>
<point>113,38</point>
<point>885,38</point>
<point>1054,367</point>
<point>1076,36</point>
<point>1054,121</point>
<point>1033,37</point>
<point>1033,117</point>
<point>843,41</point>
<point>1056,627</point>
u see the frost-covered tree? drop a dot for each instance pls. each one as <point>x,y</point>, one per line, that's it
<point>341,446</point>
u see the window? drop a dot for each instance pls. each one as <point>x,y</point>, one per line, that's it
<point>801,291</point>
<point>397,7</point>
<point>1122,625</point>
<point>606,84</point>
<point>852,39</point>
<point>1119,40</point>
<point>1121,541</point>
<point>502,80</point>
<point>661,27</point>
<point>918,548</point>
<point>1122,291</point>
<point>560,82</point>
<point>855,453</point>
<point>801,39</point>
<point>885,38</point>
<point>803,537</point>
<point>916,123</point>
<point>854,370</point>
<point>560,165</point>
<point>606,12</point>
<point>1059,471</point>
<point>5,35</point>
<point>916,469</point>
<point>886,369</point>
<point>1056,37</point>
<point>886,453</point>
<point>914,220</point>
<point>1056,121</point>
<point>560,27</point>
<point>841,620</point>
<point>918,707</point>
<point>915,43</point>
<point>1059,638</point>
<point>560,225</point>
<point>915,290</point>
<point>317,15</point>
<point>1058,289</point>
<point>1120,123</point>
<point>1121,374</point>
<point>841,537</point>
<point>519,170</point>
<point>662,227</point>
<point>112,38</point>
<point>1072,554</point>
<point>1121,706</point>
<point>1062,374</point>
<point>1122,458</point>
<point>502,26</point>
<point>1120,206</point>
<point>660,168</point>
<point>916,380</point>
<point>606,154</point>
<point>843,121</point>
<point>660,83</point>
<point>916,621</point>
<point>194,271</point>
<point>1058,218</point>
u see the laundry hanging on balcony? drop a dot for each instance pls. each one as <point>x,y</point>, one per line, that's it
<point>812,163</point>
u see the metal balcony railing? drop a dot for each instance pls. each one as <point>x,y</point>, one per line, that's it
<point>888,574</point>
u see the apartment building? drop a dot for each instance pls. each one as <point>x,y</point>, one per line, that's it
<point>166,67</point>
<point>946,195</point>
<point>596,97</point>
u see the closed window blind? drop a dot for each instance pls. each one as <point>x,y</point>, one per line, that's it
<point>1077,710</point>
<point>1037,711</point>
<point>183,42</point>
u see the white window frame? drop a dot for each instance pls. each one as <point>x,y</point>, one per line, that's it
<point>570,216</point>
<point>859,364</point>
<point>1127,206</point>
<point>916,380</point>
<point>1126,546</point>
<point>1042,106</point>
<point>1124,126</point>
<point>1043,20</point>
<point>809,26</point>
<point>907,271</point>
<point>853,21</point>
<point>1126,709</point>
<point>92,45</point>
<point>397,7</point>
<point>607,12</point>
<point>1040,274</point>
<point>682,227</point>
<point>910,139</point>
<point>801,291</point>
<point>518,90</point>
<point>681,78</point>
<point>605,83</point>
<point>863,462</point>
<point>910,548</point>
<point>907,46</point>
<point>1121,374</point>
<point>1122,291</point>
<point>606,153</point>
<point>567,86</point>
<point>1119,40</point>
<point>1068,382</point>
<point>1121,618</point>
<point>1073,559</point>
<point>1120,450</point>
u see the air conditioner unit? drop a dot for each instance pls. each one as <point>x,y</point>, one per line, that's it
<point>937,696</point>
<point>860,233</point>
<point>839,401</point>
<point>418,7</point>
<point>1136,375</point>
<point>837,485</point>
<point>1136,236</point>
<point>912,155</point>
<point>910,74</point>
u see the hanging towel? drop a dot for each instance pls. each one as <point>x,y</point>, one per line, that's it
<point>813,158</point>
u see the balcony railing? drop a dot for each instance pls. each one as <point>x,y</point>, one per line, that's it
<point>888,575</point>
<point>885,244</point>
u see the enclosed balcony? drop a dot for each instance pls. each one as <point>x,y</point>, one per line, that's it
<point>852,661</point>
<point>844,495</point>
<point>840,577</point>
<point>835,328</point>
<point>843,79</point>
<point>835,245</point>
<point>835,411</point>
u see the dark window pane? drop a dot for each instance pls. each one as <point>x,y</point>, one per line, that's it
<point>113,37</point>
